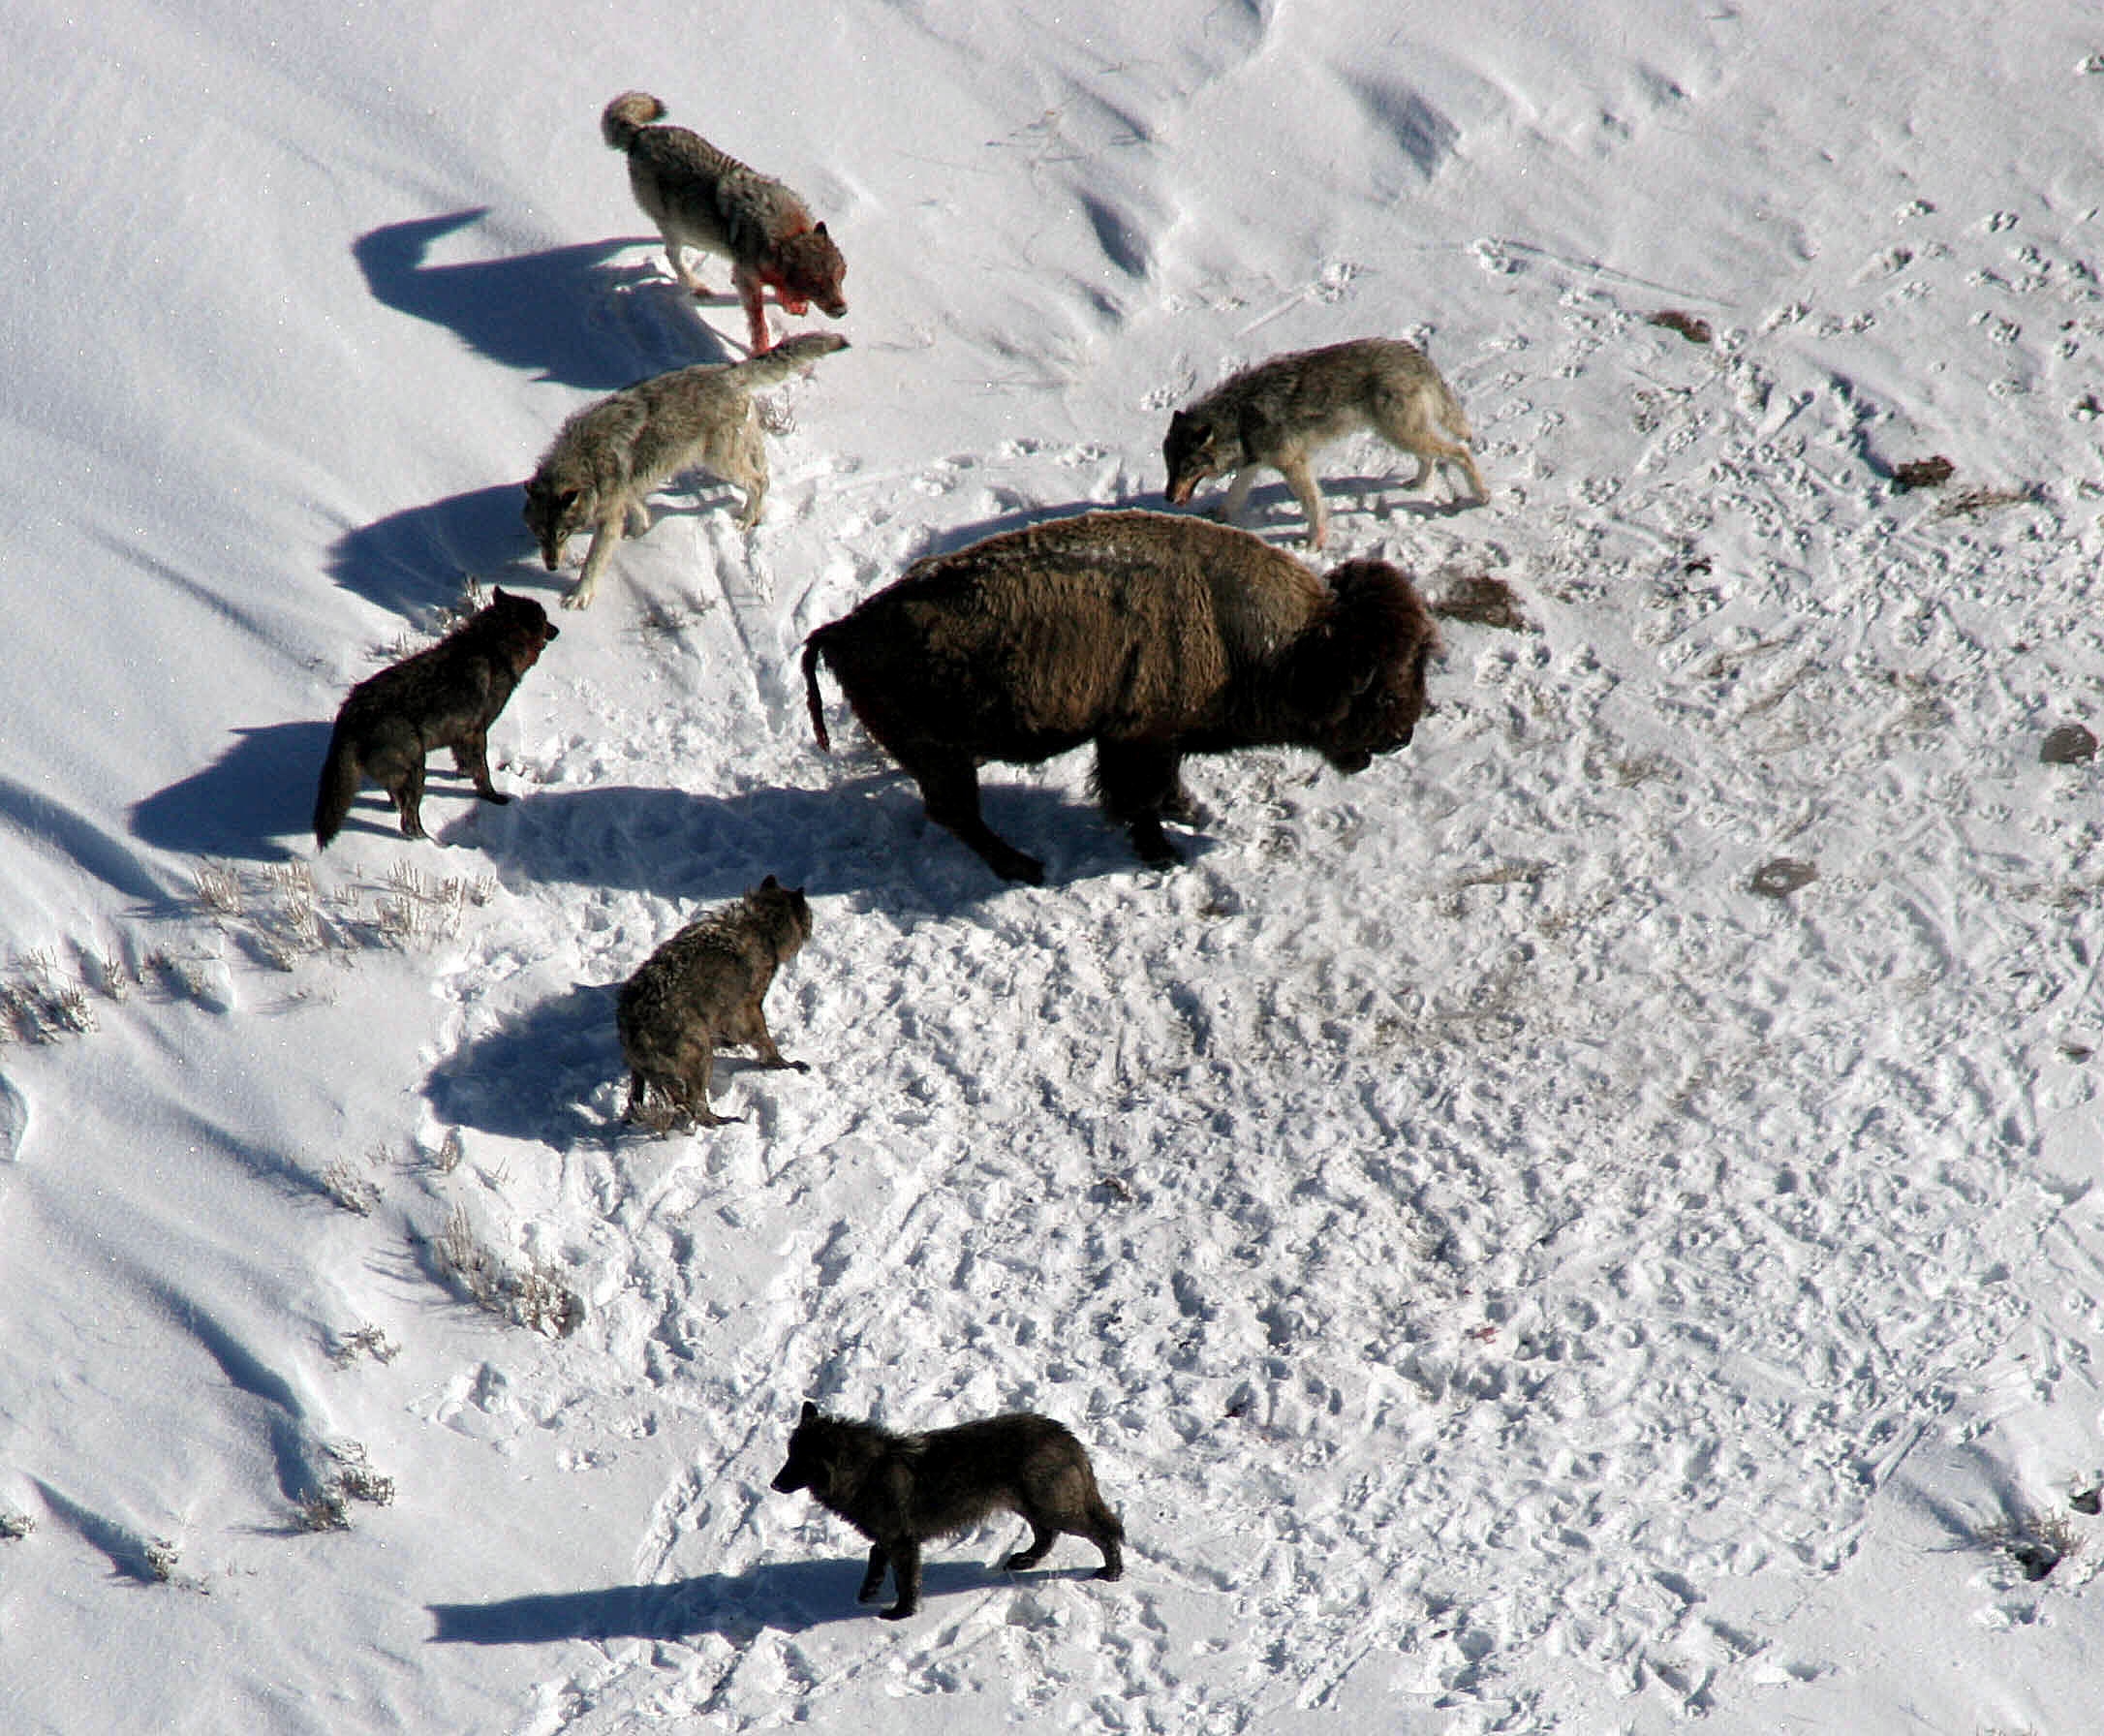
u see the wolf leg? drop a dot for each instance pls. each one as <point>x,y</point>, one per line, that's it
<point>604,535</point>
<point>752,1028</point>
<point>407,793</point>
<point>470,758</point>
<point>1041,1539</point>
<point>638,1095</point>
<point>748,285</point>
<point>1108,1536</point>
<point>690,281</point>
<point>1238,495</point>
<point>745,467</point>
<point>1308,492</point>
<point>697,1067</point>
<point>873,1581</point>
<point>906,1575</point>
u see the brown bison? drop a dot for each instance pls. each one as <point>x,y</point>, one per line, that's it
<point>1150,635</point>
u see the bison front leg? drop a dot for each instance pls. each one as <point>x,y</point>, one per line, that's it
<point>950,785</point>
<point>1137,782</point>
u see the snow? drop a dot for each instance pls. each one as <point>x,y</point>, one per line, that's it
<point>1510,1273</point>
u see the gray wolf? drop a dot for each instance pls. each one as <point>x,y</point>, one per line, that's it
<point>899,1491</point>
<point>610,456</point>
<point>445,695</point>
<point>700,991</point>
<point>1153,635</point>
<point>1280,412</point>
<point>701,196</point>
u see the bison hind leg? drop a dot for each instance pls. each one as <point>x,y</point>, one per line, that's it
<point>950,785</point>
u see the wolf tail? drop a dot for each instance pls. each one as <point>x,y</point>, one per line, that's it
<point>628,114</point>
<point>340,780</point>
<point>1451,414</point>
<point>814,648</point>
<point>791,355</point>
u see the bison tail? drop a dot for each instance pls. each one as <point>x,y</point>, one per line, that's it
<point>340,780</point>
<point>814,647</point>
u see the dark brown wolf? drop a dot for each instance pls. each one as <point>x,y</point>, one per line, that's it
<point>1153,635</point>
<point>899,1491</point>
<point>701,990</point>
<point>703,197</point>
<point>445,695</point>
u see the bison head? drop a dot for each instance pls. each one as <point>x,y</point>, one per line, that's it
<point>1358,675</point>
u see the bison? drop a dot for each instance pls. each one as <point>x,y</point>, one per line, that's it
<point>1151,635</point>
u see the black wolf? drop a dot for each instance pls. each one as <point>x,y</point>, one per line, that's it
<point>901,1490</point>
<point>445,695</point>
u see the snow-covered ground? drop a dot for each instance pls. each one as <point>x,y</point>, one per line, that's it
<point>1512,1271</point>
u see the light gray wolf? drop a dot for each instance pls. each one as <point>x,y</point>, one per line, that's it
<point>1280,412</point>
<point>700,991</point>
<point>445,695</point>
<point>900,1491</point>
<point>610,456</point>
<point>1152,634</point>
<point>700,196</point>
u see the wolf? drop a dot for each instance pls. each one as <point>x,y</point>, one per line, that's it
<point>1152,634</point>
<point>445,695</point>
<point>1278,413</point>
<point>701,196</point>
<point>610,456</point>
<point>899,1491</point>
<point>701,990</point>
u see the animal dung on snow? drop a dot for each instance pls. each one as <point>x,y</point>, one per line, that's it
<point>1153,635</point>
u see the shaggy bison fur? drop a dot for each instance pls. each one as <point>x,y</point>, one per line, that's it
<point>1150,635</point>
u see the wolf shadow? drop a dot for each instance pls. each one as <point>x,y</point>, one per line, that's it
<point>243,805</point>
<point>787,1597</point>
<point>566,315</point>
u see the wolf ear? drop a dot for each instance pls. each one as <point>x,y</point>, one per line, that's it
<point>770,884</point>
<point>497,595</point>
<point>810,1412</point>
<point>821,229</point>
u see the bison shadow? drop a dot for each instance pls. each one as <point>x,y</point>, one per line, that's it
<point>566,315</point>
<point>786,1596</point>
<point>258,791</point>
<point>867,836</point>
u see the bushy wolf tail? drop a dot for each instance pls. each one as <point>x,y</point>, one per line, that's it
<point>791,355</point>
<point>813,649</point>
<point>340,780</point>
<point>1451,415</point>
<point>628,114</point>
